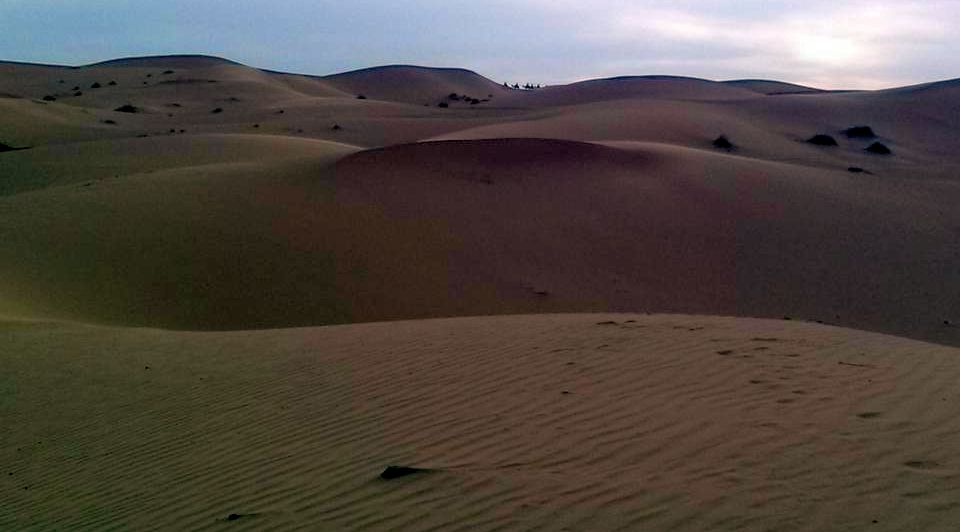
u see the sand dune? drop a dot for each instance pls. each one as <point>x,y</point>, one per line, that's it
<point>599,422</point>
<point>647,87</point>
<point>95,161</point>
<point>471,227</point>
<point>770,87</point>
<point>193,193</point>
<point>416,85</point>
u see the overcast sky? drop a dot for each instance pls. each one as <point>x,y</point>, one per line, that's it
<point>826,43</point>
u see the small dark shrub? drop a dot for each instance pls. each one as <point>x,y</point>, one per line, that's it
<point>256,125</point>
<point>110,122</point>
<point>76,88</point>
<point>149,75</point>
<point>168,72</point>
<point>879,149</point>
<point>78,93</point>
<point>723,143</point>
<point>173,130</point>
<point>822,140</point>
<point>127,108</point>
<point>474,101</point>
<point>454,97</point>
<point>856,170</point>
<point>443,105</point>
<point>61,82</point>
<point>233,99</point>
<point>218,110</point>
<point>96,85</point>
<point>280,112</point>
<point>336,127</point>
<point>859,132</point>
<point>112,83</point>
<point>361,97</point>
<point>49,98</point>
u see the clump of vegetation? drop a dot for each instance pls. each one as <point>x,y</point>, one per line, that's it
<point>361,97</point>
<point>96,85</point>
<point>878,148</point>
<point>443,105</point>
<point>127,108</point>
<point>78,93</point>
<point>822,140</point>
<point>76,88</point>
<point>49,98</point>
<point>280,112</point>
<point>110,122</point>
<point>336,127</point>
<point>474,101</point>
<point>216,111</point>
<point>856,170</point>
<point>859,132</point>
<point>723,143</point>
<point>454,97</point>
<point>525,86</point>
<point>167,72</point>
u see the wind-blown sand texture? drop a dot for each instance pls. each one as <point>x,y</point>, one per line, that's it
<point>182,289</point>
<point>572,422</point>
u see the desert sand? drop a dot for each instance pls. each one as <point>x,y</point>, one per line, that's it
<point>221,290</point>
<point>576,422</point>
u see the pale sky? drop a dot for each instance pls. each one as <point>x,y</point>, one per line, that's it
<point>825,43</point>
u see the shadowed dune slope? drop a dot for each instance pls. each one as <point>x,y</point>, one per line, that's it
<point>599,422</point>
<point>652,87</point>
<point>770,87</point>
<point>485,227</point>
<point>415,84</point>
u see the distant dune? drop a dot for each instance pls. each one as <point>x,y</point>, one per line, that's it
<point>769,87</point>
<point>416,85</point>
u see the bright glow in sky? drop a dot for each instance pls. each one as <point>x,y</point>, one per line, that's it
<point>826,43</point>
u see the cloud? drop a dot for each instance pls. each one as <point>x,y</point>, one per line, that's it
<point>849,44</point>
